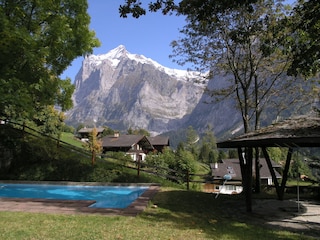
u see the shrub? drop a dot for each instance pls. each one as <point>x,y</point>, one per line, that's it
<point>158,163</point>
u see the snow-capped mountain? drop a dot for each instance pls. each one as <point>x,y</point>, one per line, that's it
<point>115,55</point>
<point>122,90</point>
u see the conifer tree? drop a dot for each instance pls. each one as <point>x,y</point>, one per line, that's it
<point>94,145</point>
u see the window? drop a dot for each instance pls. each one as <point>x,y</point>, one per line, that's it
<point>230,187</point>
<point>230,170</point>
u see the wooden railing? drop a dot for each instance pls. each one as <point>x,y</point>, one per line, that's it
<point>182,177</point>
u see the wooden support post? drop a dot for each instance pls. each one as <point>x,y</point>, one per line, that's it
<point>257,171</point>
<point>279,189</point>
<point>246,172</point>
<point>271,169</point>
<point>138,165</point>
<point>285,172</point>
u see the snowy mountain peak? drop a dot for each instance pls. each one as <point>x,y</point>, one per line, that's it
<point>117,52</point>
<point>121,90</point>
<point>115,55</point>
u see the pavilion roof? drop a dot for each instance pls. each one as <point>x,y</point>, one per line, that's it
<point>300,131</point>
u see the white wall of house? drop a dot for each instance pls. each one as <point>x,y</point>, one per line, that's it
<point>229,189</point>
<point>222,189</point>
<point>134,156</point>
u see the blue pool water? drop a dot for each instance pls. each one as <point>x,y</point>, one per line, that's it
<point>105,196</point>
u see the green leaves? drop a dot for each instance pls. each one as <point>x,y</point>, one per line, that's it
<point>303,42</point>
<point>64,94</point>
<point>131,7</point>
<point>38,41</point>
<point>245,41</point>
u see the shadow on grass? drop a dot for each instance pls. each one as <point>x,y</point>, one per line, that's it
<point>227,216</point>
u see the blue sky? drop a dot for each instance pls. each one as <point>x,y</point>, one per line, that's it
<point>149,35</point>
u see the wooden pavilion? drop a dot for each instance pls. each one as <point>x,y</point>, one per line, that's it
<point>293,133</point>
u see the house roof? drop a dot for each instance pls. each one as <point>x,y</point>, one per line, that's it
<point>228,166</point>
<point>89,130</point>
<point>232,167</point>
<point>113,141</point>
<point>301,131</point>
<point>264,170</point>
<point>159,140</point>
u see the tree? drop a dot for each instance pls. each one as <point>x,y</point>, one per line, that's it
<point>299,167</point>
<point>160,161</point>
<point>39,40</point>
<point>134,7</point>
<point>238,38</point>
<point>232,153</point>
<point>277,154</point>
<point>249,23</point>
<point>192,139</point>
<point>303,43</point>
<point>49,121</point>
<point>80,126</point>
<point>208,148</point>
<point>233,43</point>
<point>94,145</point>
<point>107,131</point>
<point>239,43</point>
<point>139,131</point>
<point>184,163</point>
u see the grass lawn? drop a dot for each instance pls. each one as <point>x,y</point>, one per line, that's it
<point>173,214</point>
<point>70,138</point>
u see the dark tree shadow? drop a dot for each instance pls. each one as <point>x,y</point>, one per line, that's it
<point>227,214</point>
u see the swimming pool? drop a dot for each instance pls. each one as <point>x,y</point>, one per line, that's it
<point>105,196</point>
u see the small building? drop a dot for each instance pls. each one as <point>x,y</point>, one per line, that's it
<point>84,133</point>
<point>227,179</point>
<point>136,146</point>
<point>159,142</point>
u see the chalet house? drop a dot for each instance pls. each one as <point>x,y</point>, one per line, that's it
<point>136,146</point>
<point>226,176</point>
<point>84,133</point>
<point>159,142</point>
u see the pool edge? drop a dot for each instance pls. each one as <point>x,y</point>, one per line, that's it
<point>76,206</point>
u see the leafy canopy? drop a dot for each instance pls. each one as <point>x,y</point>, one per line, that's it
<point>238,39</point>
<point>238,44</point>
<point>38,40</point>
<point>303,42</point>
<point>304,21</point>
<point>135,8</point>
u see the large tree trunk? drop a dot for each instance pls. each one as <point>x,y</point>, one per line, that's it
<point>93,157</point>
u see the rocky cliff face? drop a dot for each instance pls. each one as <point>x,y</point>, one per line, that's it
<point>122,90</point>
<point>221,115</point>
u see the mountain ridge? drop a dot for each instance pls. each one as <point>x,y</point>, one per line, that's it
<point>122,90</point>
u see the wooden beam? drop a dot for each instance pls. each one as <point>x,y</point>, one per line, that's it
<point>241,161</point>
<point>257,170</point>
<point>271,169</point>
<point>285,172</point>
<point>246,172</point>
<point>279,189</point>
